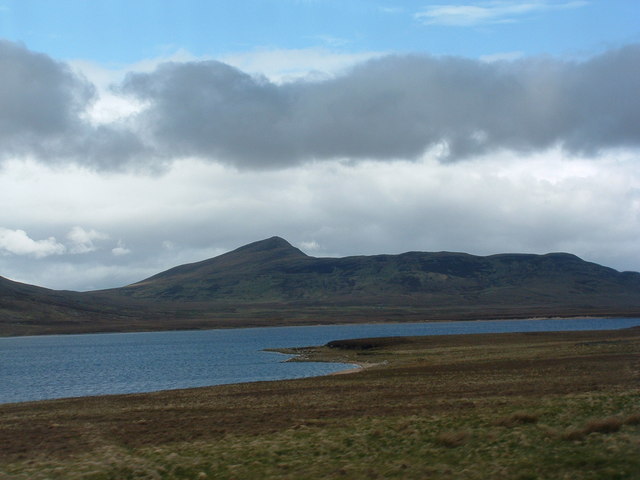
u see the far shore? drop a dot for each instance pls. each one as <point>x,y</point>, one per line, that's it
<point>84,330</point>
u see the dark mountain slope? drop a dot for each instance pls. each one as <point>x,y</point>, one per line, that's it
<point>30,310</point>
<point>247,272</point>
<point>274,271</point>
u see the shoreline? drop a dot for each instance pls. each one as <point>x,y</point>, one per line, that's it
<point>359,367</point>
<point>321,324</point>
<point>307,354</point>
<point>311,354</point>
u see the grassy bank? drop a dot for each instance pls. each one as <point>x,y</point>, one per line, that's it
<point>524,406</point>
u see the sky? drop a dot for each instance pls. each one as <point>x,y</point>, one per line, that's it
<point>137,136</point>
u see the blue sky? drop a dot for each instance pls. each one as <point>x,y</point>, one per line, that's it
<point>139,135</point>
<point>119,31</point>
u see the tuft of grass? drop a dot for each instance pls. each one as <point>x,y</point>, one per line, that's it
<point>604,425</point>
<point>601,425</point>
<point>572,434</point>
<point>453,439</point>
<point>633,419</point>
<point>517,418</point>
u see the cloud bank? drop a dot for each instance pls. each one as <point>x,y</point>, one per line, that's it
<point>502,203</point>
<point>394,107</point>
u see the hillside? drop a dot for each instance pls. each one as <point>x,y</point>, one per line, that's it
<point>274,271</point>
<point>270,282</point>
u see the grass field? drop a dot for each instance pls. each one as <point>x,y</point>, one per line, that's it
<point>562,405</point>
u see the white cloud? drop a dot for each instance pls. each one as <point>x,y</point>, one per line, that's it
<point>120,249</point>
<point>392,10</point>
<point>109,105</point>
<point>535,203</point>
<point>82,240</point>
<point>502,56</point>
<point>311,245</point>
<point>280,65</point>
<point>330,41</point>
<point>17,242</point>
<point>487,12</point>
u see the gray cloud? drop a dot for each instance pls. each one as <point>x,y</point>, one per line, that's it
<point>210,109</point>
<point>392,107</point>
<point>42,107</point>
<point>40,100</point>
<point>395,107</point>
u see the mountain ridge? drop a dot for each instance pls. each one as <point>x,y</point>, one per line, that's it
<point>295,276</point>
<point>271,282</point>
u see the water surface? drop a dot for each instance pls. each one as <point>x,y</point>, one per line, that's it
<point>56,366</point>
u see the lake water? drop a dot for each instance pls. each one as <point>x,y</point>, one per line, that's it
<point>57,366</point>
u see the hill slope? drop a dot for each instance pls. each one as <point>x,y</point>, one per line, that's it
<point>274,271</point>
<point>270,282</point>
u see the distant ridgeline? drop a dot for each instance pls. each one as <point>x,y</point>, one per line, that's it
<point>270,282</point>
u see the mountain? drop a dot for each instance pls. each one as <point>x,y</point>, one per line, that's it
<point>240,273</point>
<point>272,270</point>
<point>270,282</point>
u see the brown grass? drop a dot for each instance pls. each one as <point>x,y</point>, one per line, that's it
<point>390,421</point>
<point>604,425</point>
<point>517,418</point>
<point>453,439</point>
<point>600,425</point>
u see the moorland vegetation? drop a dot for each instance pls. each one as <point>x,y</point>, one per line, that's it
<point>560,405</point>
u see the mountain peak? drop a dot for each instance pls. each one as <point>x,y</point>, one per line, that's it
<point>268,243</point>
<point>272,244</point>
<point>257,253</point>
<point>269,249</point>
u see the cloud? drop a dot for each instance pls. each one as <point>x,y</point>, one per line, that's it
<point>282,66</point>
<point>386,108</point>
<point>120,249</point>
<point>488,12</point>
<point>17,242</point>
<point>391,107</point>
<point>330,40</point>
<point>504,202</point>
<point>534,203</point>
<point>40,99</point>
<point>502,56</point>
<point>82,240</point>
<point>392,10</point>
<point>310,246</point>
<point>42,110</point>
